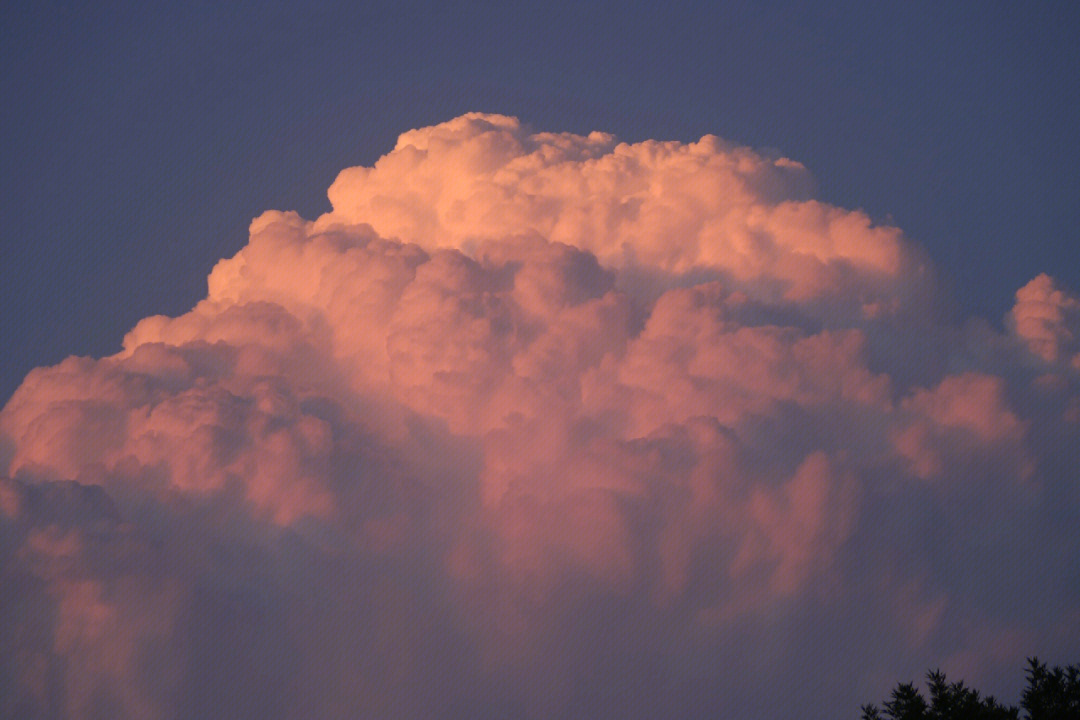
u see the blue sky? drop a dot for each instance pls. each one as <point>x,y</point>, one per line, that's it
<point>140,138</point>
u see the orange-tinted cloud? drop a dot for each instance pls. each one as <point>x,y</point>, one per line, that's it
<point>530,416</point>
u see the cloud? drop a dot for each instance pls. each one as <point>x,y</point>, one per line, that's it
<point>544,425</point>
<point>658,206</point>
<point>1047,319</point>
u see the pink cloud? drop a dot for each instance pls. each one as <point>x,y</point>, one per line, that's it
<point>1047,319</point>
<point>964,416</point>
<point>530,410</point>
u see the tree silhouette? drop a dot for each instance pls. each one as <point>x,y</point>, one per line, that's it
<point>1050,695</point>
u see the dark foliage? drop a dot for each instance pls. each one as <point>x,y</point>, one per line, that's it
<point>1051,694</point>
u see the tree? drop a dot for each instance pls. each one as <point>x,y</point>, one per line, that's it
<point>1050,695</point>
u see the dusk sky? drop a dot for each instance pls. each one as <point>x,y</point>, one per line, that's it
<point>552,360</point>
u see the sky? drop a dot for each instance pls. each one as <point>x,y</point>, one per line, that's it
<point>487,359</point>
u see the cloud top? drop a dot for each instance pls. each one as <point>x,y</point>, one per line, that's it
<point>664,206</point>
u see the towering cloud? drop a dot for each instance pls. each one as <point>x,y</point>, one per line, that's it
<point>544,425</point>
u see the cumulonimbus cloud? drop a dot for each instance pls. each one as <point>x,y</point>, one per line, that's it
<point>545,425</point>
